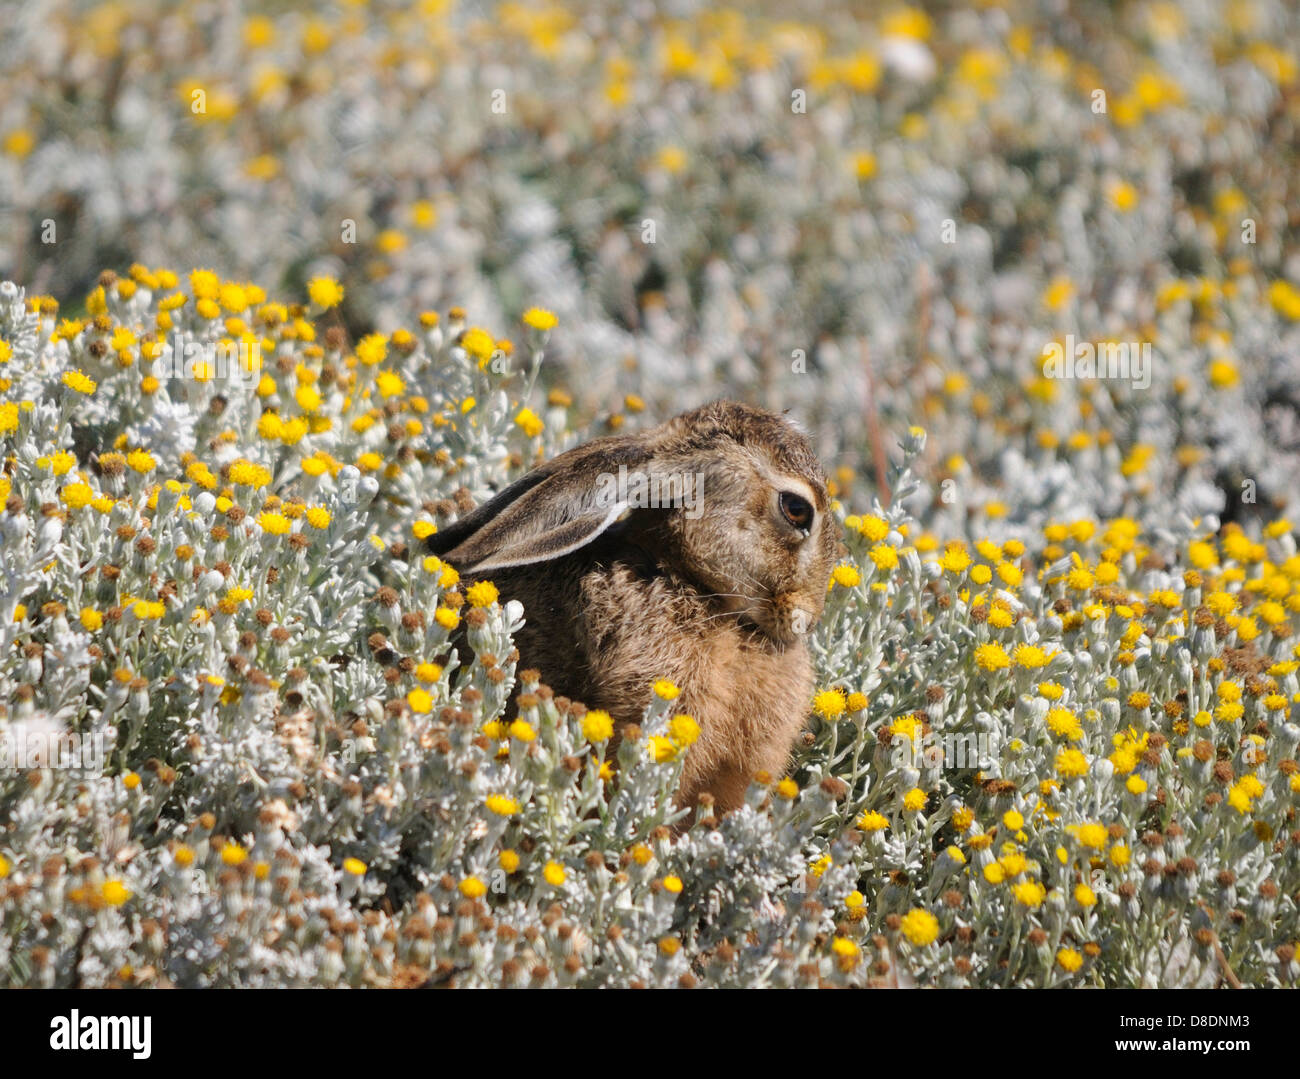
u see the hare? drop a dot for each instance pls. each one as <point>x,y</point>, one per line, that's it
<point>713,591</point>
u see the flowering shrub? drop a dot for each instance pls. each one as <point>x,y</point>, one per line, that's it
<point>1053,741</point>
<point>854,206</point>
<point>216,581</point>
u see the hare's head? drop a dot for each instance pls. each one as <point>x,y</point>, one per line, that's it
<point>760,536</point>
<point>728,498</point>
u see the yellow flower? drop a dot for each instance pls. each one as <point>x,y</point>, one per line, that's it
<point>233,854</point>
<point>554,874</point>
<point>526,419</point>
<point>420,701</point>
<point>77,495</point>
<point>355,866</point>
<point>141,461</point>
<point>539,319</point>
<point>481,594</point>
<point>787,789</point>
<point>846,576</point>
<point>830,703</point>
<point>325,292</point>
<point>1069,960</point>
<point>472,888</point>
<point>884,556</point>
<point>79,382</point>
<point>1064,723</point>
<point>907,22</point>
<point>522,730</point>
<point>275,523</point>
<point>115,893</point>
<point>390,241</point>
<point>1239,799</point>
<point>1010,574</point>
<point>1071,762</point>
<point>1029,893</point>
<point>149,609</point>
<point>428,672</point>
<point>684,730</point>
<point>874,529</point>
<point>424,214</point>
<point>18,143</point>
<point>1030,656</point>
<point>1058,293</point>
<point>914,800</point>
<point>308,398</point>
<point>1013,862</point>
<point>920,927</point>
<point>372,349</point>
<point>502,805</point>
<point>597,726</point>
<point>992,657</point>
<point>1123,196</point>
<point>670,159</point>
<point>873,822</point>
<point>1223,374</point>
<point>665,690</point>
<point>478,343</point>
<point>663,749</point>
<point>1285,298</point>
<point>244,473</point>
<point>1091,835</point>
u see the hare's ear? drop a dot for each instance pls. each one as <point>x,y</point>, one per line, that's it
<point>545,515</point>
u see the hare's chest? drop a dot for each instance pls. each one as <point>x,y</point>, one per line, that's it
<point>762,694</point>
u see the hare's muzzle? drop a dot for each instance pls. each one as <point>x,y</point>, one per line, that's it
<point>793,618</point>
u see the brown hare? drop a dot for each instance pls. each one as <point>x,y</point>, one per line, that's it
<point>713,591</point>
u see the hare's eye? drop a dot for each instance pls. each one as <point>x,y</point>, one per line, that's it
<point>797,510</point>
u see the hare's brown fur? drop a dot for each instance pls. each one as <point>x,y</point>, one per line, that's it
<point>707,603</point>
